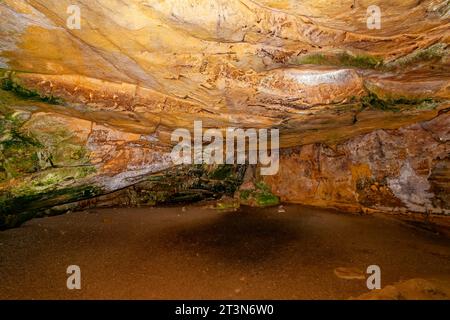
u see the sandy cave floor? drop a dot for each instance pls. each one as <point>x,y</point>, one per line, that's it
<point>199,253</point>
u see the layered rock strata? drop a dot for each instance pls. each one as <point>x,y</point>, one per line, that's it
<point>89,112</point>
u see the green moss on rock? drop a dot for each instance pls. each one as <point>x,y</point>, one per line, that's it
<point>18,150</point>
<point>344,59</point>
<point>267,200</point>
<point>185,184</point>
<point>222,172</point>
<point>39,169</point>
<point>397,104</point>
<point>16,209</point>
<point>227,203</point>
<point>364,61</point>
<point>432,53</point>
<point>30,196</point>
<point>25,151</point>
<point>361,61</point>
<point>260,196</point>
<point>9,82</point>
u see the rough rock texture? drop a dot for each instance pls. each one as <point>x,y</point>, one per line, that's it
<point>89,112</point>
<point>231,63</point>
<point>414,289</point>
<point>389,170</point>
<point>51,162</point>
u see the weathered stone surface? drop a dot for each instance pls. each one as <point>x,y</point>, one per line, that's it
<point>47,159</point>
<point>413,289</point>
<point>244,63</point>
<point>89,112</point>
<point>397,170</point>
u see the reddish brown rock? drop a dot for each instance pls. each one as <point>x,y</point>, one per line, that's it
<point>386,170</point>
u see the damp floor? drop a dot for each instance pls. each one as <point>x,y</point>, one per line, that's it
<point>199,253</point>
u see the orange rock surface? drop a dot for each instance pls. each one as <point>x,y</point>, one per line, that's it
<point>362,112</point>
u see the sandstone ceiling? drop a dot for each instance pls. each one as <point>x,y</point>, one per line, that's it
<point>241,63</point>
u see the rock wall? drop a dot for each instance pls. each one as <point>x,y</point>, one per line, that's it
<point>51,163</point>
<point>88,113</point>
<point>403,170</point>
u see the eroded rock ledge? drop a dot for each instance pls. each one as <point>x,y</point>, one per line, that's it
<point>388,170</point>
<point>86,115</point>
